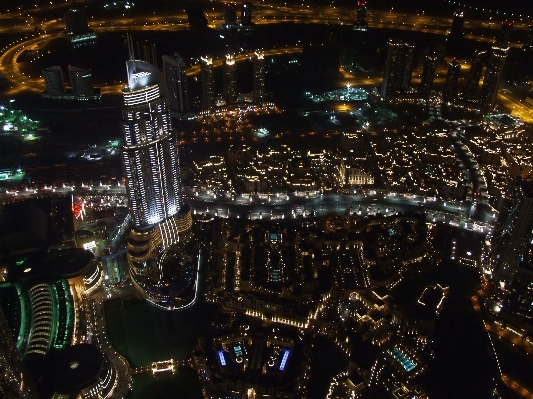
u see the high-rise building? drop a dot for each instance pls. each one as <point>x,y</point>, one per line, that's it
<point>528,41</point>
<point>230,16</point>
<point>457,31</point>
<point>196,17</point>
<point>517,233</point>
<point>398,68</point>
<point>207,82</point>
<point>81,81</point>
<point>53,79</point>
<point>492,78</point>
<point>229,79</point>
<point>147,53</point>
<point>150,151</point>
<point>504,35</point>
<point>246,13</point>
<point>475,75</point>
<point>259,77</point>
<point>406,67</point>
<point>360,22</point>
<point>428,75</point>
<point>15,380</point>
<point>153,182</point>
<point>527,56</point>
<point>76,21</point>
<point>519,301</point>
<point>175,72</point>
<point>452,77</point>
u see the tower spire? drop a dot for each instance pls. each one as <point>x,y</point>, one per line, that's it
<point>130,47</point>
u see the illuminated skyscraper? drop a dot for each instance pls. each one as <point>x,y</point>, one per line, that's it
<point>81,81</point>
<point>475,74</point>
<point>229,79</point>
<point>207,81</point>
<point>176,77</point>
<point>452,77</point>
<point>398,68</point>
<point>428,75</point>
<point>493,77</point>
<point>151,166</point>
<point>53,79</point>
<point>360,22</point>
<point>259,77</point>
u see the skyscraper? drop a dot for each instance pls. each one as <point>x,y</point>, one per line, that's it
<point>81,81</point>
<point>196,17</point>
<point>398,68</point>
<point>518,230</point>
<point>207,82</point>
<point>53,79</point>
<point>504,35</point>
<point>452,77</point>
<point>15,381</point>
<point>457,31</point>
<point>428,75</point>
<point>406,66</point>
<point>528,42</point>
<point>360,22</point>
<point>230,16</point>
<point>175,72</point>
<point>259,77</point>
<point>229,79</point>
<point>493,76</point>
<point>153,182</point>
<point>76,21</point>
<point>147,53</point>
<point>475,74</point>
<point>246,13</point>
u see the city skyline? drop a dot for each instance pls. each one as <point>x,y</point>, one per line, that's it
<point>275,200</point>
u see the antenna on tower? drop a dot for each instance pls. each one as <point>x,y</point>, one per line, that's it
<point>130,47</point>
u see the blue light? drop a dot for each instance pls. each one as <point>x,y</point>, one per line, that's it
<point>284,359</point>
<point>404,361</point>
<point>221,357</point>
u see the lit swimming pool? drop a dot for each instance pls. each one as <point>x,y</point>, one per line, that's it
<point>404,361</point>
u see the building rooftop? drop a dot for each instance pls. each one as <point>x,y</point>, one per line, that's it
<point>41,265</point>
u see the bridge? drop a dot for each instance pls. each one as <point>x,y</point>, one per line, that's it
<point>163,367</point>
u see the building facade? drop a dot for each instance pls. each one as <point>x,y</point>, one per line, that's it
<point>175,72</point>
<point>207,82</point>
<point>449,93</point>
<point>230,94</point>
<point>475,75</point>
<point>428,75</point>
<point>360,22</point>
<point>259,77</point>
<point>81,81</point>
<point>493,77</point>
<point>53,79</point>
<point>153,182</point>
<point>398,68</point>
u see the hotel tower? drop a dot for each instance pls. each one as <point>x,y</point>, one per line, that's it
<point>151,167</point>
